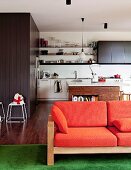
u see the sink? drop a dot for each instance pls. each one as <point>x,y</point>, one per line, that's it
<point>77,80</point>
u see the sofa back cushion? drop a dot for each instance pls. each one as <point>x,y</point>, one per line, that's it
<point>82,114</point>
<point>117,110</point>
<point>59,119</point>
<point>123,124</point>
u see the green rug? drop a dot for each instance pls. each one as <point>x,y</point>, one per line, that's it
<point>33,157</point>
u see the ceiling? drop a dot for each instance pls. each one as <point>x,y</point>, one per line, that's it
<point>56,16</point>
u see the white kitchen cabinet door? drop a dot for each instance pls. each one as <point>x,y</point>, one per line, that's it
<point>44,89</point>
<point>59,95</point>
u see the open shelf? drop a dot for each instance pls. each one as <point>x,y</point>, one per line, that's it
<point>66,63</point>
<point>64,47</point>
<point>85,98</point>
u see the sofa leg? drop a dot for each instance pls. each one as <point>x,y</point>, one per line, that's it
<point>50,157</point>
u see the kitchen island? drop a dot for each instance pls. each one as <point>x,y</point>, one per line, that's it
<point>87,91</point>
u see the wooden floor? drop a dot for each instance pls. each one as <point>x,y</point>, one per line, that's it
<point>34,131</point>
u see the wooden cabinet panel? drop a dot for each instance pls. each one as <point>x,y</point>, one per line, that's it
<point>127,51</point>
<point>114,52</point>
<point>117,52</point>
<point>15,56</point>
<point>104,93</point>
<point>104,52</point>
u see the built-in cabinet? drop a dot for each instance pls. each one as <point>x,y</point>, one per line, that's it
<point>114,52</point>
<point>46,89</point>
<point>18,50</point>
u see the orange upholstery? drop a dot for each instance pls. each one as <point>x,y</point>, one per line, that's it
<point>90,136</point>
<point>123,124</point>
<point>83,114</point>
<point>59,119</point>
<point>117,110</point>
<point>123,138</point>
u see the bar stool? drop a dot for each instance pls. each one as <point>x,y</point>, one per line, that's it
<point>125,96</point>
<point>10,118</point>
<point>3,112</point>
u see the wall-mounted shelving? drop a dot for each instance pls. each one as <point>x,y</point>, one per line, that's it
<point>65,63</point>
<point>64,47</point>
<point>65,55</point>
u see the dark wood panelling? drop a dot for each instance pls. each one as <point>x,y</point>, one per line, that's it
<point>104,52</point>
<point>127,50</point>
<point>15,57</point>
<point>104,93</point>
<point>114,52</point>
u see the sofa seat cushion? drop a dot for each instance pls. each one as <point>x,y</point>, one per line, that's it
<point>83,114</point>
<point>123,138</point>
<point>117,110</point>
<point>85,136</point>
<point>123,124</point>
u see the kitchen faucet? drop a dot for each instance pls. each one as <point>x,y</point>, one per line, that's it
<point>94,76</point>
<point>75,72</point>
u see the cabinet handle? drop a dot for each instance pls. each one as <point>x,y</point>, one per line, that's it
<point>44,80</point>
<point>38,84</point>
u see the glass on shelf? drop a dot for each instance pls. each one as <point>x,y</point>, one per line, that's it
<point>51,42</point>
<point>58,43</point>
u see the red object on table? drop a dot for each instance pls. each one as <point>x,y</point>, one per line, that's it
<point>102,79</point>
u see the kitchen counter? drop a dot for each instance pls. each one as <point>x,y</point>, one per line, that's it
<point>101,91</point>
<point>88,83</point>
<point>125,86</point>
<point>108,90</point>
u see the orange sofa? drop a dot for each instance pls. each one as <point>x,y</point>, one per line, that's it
<point>89,127</point>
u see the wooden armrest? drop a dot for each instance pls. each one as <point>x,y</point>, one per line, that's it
<point>50,141</point>
<point>50,118</point>
<point>50,128</point>
<point>51,121</point>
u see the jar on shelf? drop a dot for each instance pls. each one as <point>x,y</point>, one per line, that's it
<point>51,41</point>
<point>58,43</point>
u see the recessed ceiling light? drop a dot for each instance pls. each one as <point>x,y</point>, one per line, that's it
<point>105,25</point>
<point>68,2</point>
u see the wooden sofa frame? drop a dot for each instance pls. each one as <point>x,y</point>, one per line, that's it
<point>51,150</point>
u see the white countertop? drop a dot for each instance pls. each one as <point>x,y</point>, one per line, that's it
<point>123,86</point>
<point>88,83</point>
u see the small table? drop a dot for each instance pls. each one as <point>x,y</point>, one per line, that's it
<point>10,118</point>
<point>125,94</point>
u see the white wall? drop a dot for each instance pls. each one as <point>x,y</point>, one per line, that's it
<point>67,71</point>
<point>75,37</point>
<point>83,70</point>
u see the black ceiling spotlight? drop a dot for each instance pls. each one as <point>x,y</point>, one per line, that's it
<point>68,2</point>
<point>105,25</point>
